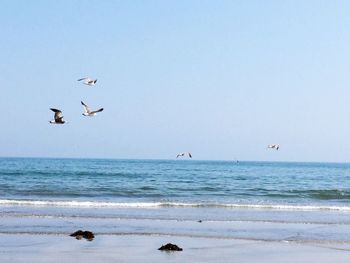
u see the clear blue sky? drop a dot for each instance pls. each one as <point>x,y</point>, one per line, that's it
<point>219,78</point>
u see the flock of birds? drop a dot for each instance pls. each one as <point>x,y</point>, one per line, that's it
<point>183,154</point>
<point>270,146</point>
<point>58,117</point>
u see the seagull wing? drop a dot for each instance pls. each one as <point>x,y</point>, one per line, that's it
<point>86,107</point>
<point>81,79</point>
<point>55,110</point>
<point>190,155</point>
<point>97,111</point>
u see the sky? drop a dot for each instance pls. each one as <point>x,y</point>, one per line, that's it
<point>222,79</point>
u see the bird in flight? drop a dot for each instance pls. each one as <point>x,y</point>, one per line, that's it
<point>58,118</point>
<point>274,146</point>
<point>88,81</point>
<point>88,111</point>
<point>183,154</point>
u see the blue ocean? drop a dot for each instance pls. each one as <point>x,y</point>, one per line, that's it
<point>55,195</point>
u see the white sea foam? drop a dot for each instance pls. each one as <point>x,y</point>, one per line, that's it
<point>82,204</point>
<point>97,204</point>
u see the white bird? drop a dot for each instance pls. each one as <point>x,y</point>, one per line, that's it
<point>58,118</point>
<point>88,81</point>
<point>274,146</point>
<point>183,154</point>
<point>88,112</point>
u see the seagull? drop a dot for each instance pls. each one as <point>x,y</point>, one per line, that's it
<point>183,154</point>
<point>88,111</point>
<point>274,146</point>
<point>88,81</point>
<point>58,118</point>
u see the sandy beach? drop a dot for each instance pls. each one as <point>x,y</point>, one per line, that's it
<point>140,248</point>
<point>44,237</point>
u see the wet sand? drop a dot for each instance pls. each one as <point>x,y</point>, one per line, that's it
<point>144,248</point>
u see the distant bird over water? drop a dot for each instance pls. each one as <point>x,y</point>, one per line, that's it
<point>274,146</point>
<point>183,154</point>
<point>88,112</point>
<point>58,118</point>
<point>88,81</point>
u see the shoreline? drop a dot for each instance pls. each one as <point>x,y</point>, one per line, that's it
<point>325,227</point>
<point>214,211</point>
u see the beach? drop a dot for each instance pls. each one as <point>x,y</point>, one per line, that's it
<point>143,248</point>
<point>214,211</point>
<point>41,234</point>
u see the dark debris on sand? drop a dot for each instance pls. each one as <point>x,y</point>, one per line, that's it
<point>170,247</point>
<point>83,234</point>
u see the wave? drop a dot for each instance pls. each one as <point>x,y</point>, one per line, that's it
<point>322,194</point>
<point>97,204</point>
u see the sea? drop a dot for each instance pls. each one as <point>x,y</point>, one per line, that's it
<point>266,201</point>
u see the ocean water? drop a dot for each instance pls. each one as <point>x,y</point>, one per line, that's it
<point>253,200</point>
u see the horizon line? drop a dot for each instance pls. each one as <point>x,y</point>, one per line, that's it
<point>174,159</point>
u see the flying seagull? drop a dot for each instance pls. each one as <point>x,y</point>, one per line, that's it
<point>88,81</point>
<point>88,112</point>
<point>183,154</point>
<point>58,118</point>
<point>274,146</point>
